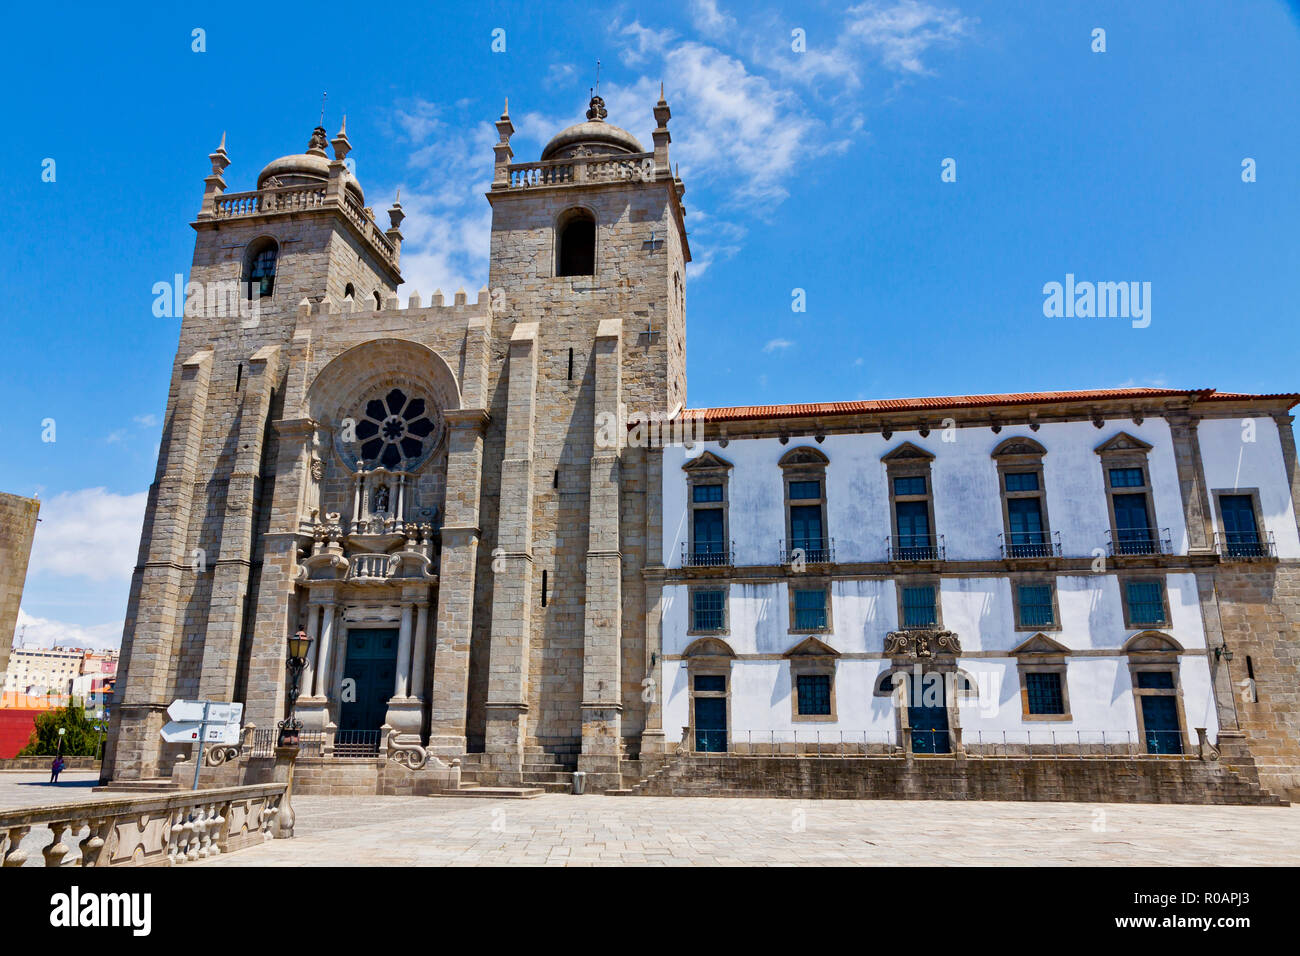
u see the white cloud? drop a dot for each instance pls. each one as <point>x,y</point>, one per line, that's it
<point>448,227</point>
<point>901,33</point>
<point>777,344</point>
<point>146,421</point>
<point>42,632</point>
<point>91,533</point>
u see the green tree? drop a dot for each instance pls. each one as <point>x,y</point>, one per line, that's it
<point>83,736</point>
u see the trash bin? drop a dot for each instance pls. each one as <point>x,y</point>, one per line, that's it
<point>579,781</point>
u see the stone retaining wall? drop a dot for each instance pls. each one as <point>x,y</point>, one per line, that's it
<point>1102,780</point>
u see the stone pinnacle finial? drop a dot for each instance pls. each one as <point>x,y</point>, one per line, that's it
<point>661,92</point>
<point>596,111</point>
<point>221,148</point>
<point>505,110</point>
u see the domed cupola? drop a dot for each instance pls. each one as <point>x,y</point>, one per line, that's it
<point>594,137</point>
<point>306,169</point>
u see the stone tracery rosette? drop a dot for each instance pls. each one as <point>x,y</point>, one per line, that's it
<point>395,427</point>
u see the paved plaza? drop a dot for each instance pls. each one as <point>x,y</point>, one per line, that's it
<point>562,830</point>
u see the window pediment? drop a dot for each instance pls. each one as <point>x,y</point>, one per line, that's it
<point>1123,442</point>
<point>709,647</point>
<point>812,647</point>
<point>907,452</point>
<point>1040,645</point>
<point>705,461</point>
<point>1019,445</point>
<point>1152,642</point>
<point>803,455</point>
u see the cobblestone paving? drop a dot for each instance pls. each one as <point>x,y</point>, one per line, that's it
<point>563,830</point>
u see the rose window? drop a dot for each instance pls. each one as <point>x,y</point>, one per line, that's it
<point>395,430</point>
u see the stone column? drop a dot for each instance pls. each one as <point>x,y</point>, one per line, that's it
<point>1286,436</point>
<point>324,655</point>
<point>317,681</point>
<point>404,710</point>
<point>512,562</point>
<point>420,661</point>
<point>460,537</point>
<point>653,741</point>
<point>402,682</point>
<point>154,614</point>
<point>1191,481</point>
<point>313,631</point>
<point>602,705</point>
<point>230,575</point>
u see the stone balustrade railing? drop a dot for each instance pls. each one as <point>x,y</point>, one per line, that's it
<point>295,198</point>
<point>582,169</point>
<point>148,830</point>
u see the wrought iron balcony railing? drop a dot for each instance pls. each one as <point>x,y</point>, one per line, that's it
<point>808,551</point>
<point>1237,545</point>
<point>1030,544</point>
<point>708,554</point>
<point>915,547</point>
<point>1138,541</point>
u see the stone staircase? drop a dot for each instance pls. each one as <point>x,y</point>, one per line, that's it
<point>1108,780</point>
<point>542,771</point>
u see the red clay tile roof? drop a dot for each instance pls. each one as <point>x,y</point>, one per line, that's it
<point>751,412</point>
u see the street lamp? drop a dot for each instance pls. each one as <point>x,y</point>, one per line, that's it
<point>299,645</point>
<point>59,749</point>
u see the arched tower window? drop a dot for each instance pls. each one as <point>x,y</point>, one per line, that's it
<point>349,292</point>
<point>259,267</point>
<point>576,244</point>
<point>379,303</point>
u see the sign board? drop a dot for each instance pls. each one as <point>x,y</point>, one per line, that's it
<point>186,709</point>
<point>182,731</point>
<point>222,725</point>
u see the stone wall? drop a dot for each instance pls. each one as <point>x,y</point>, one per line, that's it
<point>1258,605</point>
<point>1110,780</point>
<point>17,527</point>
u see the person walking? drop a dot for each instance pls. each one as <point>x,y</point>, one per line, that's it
<point>56,767</point>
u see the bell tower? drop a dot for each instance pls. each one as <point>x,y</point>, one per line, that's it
<point>588,256</point>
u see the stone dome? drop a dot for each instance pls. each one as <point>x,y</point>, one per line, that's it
<point>305,169</point>
<point>595,135</point>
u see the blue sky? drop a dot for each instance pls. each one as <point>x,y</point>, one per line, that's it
<point>815,170</point>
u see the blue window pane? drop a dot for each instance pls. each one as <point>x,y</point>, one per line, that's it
<point>1022,481</point>
<point>814,694</point>
<point>918,607</point>
<point>910,486</point>
<point>706,493</point>
<point>805,489</point>
<point>1036,606</point>
<point>806,527</point>
<point>810,609</point>
<point>707,610</point>
<point>1126,478</point>
<point>707,525</point>
<point>1044,693</point>
<point>710,683</point>
<point>1146,604</point>
<point>1156,680</point>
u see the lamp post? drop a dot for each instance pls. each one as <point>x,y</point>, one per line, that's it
<point>59,749</point>
<point>290,727</point>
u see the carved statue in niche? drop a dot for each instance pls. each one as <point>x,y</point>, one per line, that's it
<point>381,498</point>
<point>315,472</point>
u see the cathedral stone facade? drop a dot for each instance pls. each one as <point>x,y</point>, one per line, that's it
<point>515,548</point>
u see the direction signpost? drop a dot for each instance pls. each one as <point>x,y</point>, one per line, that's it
<point>203,722</point>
